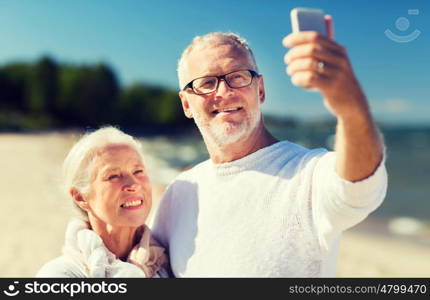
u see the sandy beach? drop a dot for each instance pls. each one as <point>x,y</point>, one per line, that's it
<point>35,213</point>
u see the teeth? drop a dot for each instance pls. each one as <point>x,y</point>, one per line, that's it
<point>132,203</point>
<point>228,109</point>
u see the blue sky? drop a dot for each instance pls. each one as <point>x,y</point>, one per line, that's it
<point>142,41</point>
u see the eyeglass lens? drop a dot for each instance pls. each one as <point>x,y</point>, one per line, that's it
<point>234,80</point>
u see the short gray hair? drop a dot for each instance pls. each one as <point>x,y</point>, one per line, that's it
<point>77,164</point>
<point>214,38</point>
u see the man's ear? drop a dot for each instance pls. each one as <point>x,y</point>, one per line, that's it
<point>79,199</point>
<point>261,92</point>
<point>185,104</point>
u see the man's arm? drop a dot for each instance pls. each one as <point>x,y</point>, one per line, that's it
<point>358,145</point>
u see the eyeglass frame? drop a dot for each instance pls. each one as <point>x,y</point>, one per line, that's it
<point>189,85</point>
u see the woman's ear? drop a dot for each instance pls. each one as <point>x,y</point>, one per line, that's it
<point>79,199</point>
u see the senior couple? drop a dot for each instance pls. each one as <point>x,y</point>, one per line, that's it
<point>258,207</point>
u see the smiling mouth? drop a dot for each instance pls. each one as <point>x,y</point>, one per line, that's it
<point>130,204</point>
<point>227,110</point>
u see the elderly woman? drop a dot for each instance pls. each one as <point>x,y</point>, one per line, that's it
<point>108,183</point>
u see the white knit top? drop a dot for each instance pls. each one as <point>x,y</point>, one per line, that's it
<point>85,255</point>
<point>278,212</point>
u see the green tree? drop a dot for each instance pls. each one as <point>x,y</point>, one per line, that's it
<point>14,94</point>
<point>43,87</point>
<point>47,94</point>
<point>143,105</point>
<point>87,95</point>
<point>132,109</point>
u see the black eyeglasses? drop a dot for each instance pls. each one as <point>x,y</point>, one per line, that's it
<point>208,84</point>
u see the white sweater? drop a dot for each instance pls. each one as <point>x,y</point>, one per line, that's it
<point>278,212</point>
<point>85,255</point>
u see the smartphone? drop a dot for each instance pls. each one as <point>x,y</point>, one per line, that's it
<point>304,19</point>
<point>308,19</point>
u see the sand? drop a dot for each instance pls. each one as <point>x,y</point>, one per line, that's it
<point>35,212</point>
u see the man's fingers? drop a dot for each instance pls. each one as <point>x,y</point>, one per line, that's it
<point>330,26</point>
<point>308,79</point>
<point>311,37</point>
<point>303,37</point>
<point>310,64</point>
<point>313,51</point>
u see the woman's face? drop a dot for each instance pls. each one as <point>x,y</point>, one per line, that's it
<point>120,193</point>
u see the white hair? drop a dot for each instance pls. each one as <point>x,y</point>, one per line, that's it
<point>215,38</point>
<point>77,164</point>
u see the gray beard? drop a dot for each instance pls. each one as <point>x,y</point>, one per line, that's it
<point>228,133</point>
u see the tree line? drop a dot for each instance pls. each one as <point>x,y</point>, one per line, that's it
<point>45,94</point>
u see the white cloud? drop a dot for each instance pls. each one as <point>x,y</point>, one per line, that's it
<point>392,106</point>
<point>401,110</point>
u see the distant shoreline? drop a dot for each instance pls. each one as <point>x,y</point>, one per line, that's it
<point>380,227</point>
<point>178,130</point>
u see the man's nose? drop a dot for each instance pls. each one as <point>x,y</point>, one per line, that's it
<point>223,88</point>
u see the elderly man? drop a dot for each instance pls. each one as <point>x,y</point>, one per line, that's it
<point>260,207</point>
